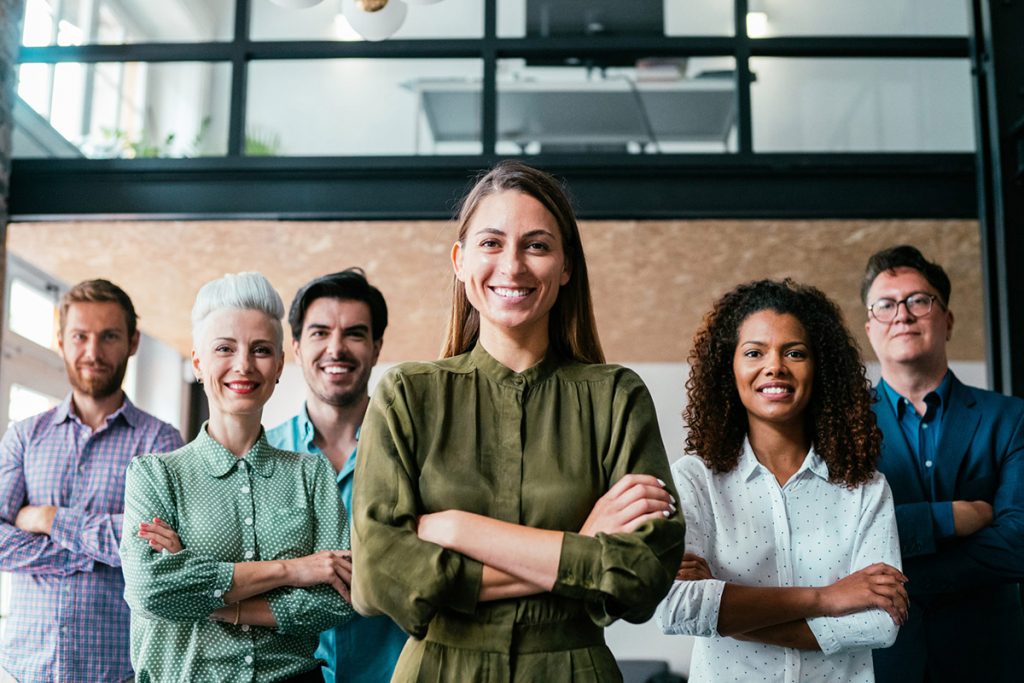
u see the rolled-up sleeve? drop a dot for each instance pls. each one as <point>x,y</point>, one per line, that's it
<point>692,608</point>
<point>626,575</point>
<point>317,608</point>
<point>395,572</point>
<point>877,541</point>
<point>183,586</point>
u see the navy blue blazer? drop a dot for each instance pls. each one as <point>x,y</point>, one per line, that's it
<point>966,621</point>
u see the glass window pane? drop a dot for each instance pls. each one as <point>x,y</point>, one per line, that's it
<point>860,18</point>
<point>32,314</point>
<point>25,403</point>
<point>83,22</point>
<point>862,105</point>
<point>131,109</point>
<point>326,21</point>
<point>663,105</point>
<point>372,107</point>
<point>594,18</point>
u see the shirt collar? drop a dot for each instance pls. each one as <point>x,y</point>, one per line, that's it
<point>939,396</point>
<point>127,410</point>
<point>750,466</point>
<point>220,461</point>
<point>491,367</point>
<point>307,432</point>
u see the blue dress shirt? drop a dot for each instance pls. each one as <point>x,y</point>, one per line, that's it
<point>922,433</point>
<point>365,649</point>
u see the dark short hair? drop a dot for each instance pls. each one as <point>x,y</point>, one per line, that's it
<point>99,291</point>
<point>905,256</point>
<point>350,284</point>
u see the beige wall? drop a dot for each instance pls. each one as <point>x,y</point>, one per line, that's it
<point>652,280</point>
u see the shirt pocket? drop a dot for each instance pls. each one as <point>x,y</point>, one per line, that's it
<point>287,533</point>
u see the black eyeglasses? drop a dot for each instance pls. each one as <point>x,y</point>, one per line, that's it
<point>919,304</point>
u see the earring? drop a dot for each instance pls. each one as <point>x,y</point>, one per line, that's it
<point>277,381</point>
<point>199,380</point>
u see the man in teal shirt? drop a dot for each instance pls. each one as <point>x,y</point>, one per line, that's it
<point>337,324</point>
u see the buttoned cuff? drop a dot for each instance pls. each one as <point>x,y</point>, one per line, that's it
<point>823,631</point>
<point>224,575</point>
<point>575,565</point>
<point>66,532</point>
<point>942,518</point>
<point>67,528</point>
<point>691,608</point>
<point>465,593</point>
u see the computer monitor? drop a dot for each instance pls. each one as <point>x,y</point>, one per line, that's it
<point>551,18</point>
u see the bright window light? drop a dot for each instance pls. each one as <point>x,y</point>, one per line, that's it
<point>757,24</point>
<point>34,87</point>
<point>25,402</point>
<point>343,30</point>
<point>32,315</point>
<point>38,29</point>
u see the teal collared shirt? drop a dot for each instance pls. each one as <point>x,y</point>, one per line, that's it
<point>367,648</point>
<point>923,434</point>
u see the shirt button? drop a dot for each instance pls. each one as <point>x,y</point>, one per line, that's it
<point>248,659</point>
<point>245,489</point>
<point>924,426</point>
<point>245,627</point>
<point>927,463</point>
<point>248,521</point>
<point>217,593</point>
<point>248,554</point>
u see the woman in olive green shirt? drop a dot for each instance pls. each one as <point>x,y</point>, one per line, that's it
<point>510,499</point>
<point>234,552</point>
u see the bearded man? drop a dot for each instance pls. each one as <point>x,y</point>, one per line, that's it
<point>62,498</point>
<point>337,323</point>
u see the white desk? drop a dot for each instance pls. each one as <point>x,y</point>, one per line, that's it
<point>612,111</point>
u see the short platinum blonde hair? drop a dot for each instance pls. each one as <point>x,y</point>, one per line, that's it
<point>248,291</point>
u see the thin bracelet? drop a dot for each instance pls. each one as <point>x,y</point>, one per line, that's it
<point>238,610</point>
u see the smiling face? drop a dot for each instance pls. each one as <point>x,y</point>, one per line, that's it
<point>512,264</point>
<point>238,361</point>
<point>95,346</point>
<point>908,340</point>
<point>773,368</point>
<point>337,350</point>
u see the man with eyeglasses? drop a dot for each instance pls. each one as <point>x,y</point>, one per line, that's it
<point>954,457</point>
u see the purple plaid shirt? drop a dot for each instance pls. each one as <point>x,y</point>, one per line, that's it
<point>69,621</point>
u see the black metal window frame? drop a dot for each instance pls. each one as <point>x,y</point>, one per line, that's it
<point>740,184</point>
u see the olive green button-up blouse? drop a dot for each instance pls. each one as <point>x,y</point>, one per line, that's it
<point>268,505</point>
<point>536,448</point>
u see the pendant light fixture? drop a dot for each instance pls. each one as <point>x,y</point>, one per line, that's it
<point>375,19</point>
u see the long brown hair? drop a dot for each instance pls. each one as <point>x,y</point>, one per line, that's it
<point>571,327</point>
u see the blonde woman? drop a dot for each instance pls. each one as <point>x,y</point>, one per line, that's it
<point>239,557</point>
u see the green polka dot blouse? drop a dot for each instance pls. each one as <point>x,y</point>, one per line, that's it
<point>268,505</point>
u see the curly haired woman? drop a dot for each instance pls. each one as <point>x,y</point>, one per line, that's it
<point>791,566</point>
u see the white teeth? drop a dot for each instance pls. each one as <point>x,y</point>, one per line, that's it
<point>241,385</point>
<point>775,390</point>
<point>335,370</point>
<point>510,293</point>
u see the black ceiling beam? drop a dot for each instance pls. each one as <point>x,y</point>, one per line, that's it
<point>866,186</point>
<point>608,46</point>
